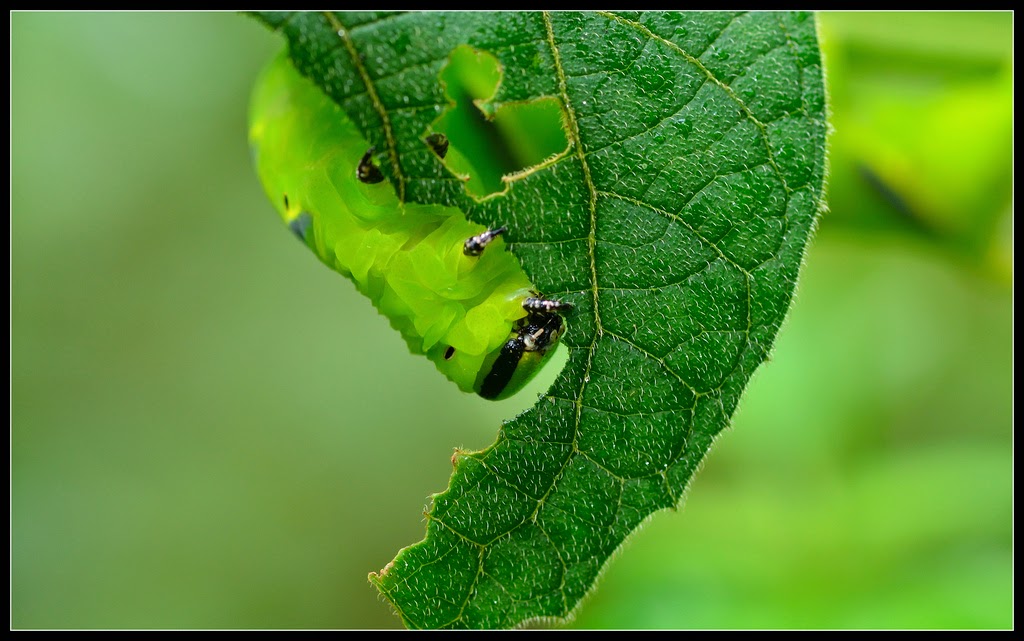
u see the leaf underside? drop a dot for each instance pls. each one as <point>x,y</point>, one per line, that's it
<point>675,222</point>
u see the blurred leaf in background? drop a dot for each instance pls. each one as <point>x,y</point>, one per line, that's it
<point>923,116</point>
<point>196,441</point>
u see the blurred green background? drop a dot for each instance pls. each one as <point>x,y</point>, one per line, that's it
<point>195,443</point>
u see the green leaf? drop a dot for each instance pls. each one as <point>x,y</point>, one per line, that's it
<point>675,222</point>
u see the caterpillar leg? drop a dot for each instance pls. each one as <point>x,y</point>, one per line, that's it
<point>367,171</point>
<point>545,306</point>
<point>541,331</point>
<point>438,143</point>
<point>475,246</point>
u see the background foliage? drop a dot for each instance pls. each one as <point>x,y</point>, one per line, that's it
<point>185,451</point>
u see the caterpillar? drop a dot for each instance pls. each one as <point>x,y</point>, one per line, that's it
<point>445,283</point>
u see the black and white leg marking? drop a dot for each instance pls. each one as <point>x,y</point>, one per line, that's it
<point>541,331</point>
<point>545,306</point>
<point>475,246</point>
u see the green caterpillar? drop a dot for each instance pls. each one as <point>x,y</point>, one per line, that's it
<point>472,312</point>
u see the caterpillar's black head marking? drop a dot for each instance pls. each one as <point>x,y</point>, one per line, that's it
<point>534,336</point>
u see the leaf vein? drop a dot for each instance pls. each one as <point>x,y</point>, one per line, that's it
<point>725,87</point>
<point>371,91</point>
<point>679,220</point>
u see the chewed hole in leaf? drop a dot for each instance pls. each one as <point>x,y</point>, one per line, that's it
<point>490,141</point>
